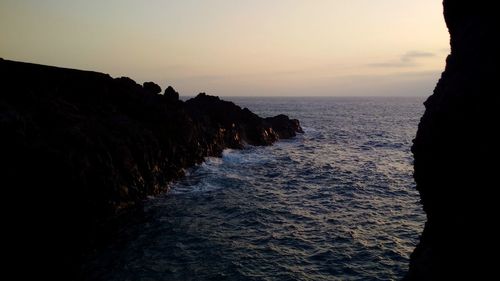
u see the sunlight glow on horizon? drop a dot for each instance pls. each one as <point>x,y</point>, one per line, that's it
<point>231,48</point>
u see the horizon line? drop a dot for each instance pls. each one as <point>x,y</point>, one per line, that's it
<point>315,96</point>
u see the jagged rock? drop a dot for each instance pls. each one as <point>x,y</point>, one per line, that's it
<point>151,87</point>
<point>284,126</point>
<point>79,147</point>
<point>456,153</point>
<point>240,126</point>
<point>171,94</point>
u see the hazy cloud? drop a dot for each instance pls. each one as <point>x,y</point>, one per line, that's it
<point>412,55</point>
<point>407,59</point>
<point>393,64</point>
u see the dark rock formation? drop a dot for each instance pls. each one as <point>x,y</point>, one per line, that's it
<point>240,126</point>
<point>151,87</point>
<point>171,94</point>
<point>283,126</point>
<point>79,147</point>
<point>457,153</point>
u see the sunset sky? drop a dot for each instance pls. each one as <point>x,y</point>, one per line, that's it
<point>237,47</point>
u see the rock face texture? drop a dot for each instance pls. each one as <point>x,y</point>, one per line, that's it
<point>457,152</point>
<point>79,147</point>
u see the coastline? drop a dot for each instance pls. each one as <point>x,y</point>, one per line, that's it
<point>81,147</point>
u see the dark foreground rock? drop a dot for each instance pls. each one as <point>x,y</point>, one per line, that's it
<point>78,148</point>
<point>457,152</point>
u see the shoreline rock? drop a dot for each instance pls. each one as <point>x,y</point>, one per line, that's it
<point>79,147</point>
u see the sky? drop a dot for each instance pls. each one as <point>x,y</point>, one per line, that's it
<point>238,47</point>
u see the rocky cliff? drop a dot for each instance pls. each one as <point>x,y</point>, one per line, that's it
<point>79,147</point>
<point>457,153</point>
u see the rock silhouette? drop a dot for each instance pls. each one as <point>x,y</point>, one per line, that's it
<point>80,149</point>
<point>151,87</point>
<point>456,153</point>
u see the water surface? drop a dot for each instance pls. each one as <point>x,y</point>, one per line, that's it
<point>336,203</point>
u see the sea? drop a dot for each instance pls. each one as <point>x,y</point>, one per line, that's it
<point>335,203</point>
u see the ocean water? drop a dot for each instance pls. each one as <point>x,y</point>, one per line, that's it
<point>335,203</point>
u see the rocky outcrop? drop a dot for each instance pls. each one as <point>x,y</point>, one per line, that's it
<point>283,126</point>
<point>79,147</point>
<point>457,153</point>
<point>240,126</point>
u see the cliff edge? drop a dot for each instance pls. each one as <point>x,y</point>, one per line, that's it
<point>457,153</point>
